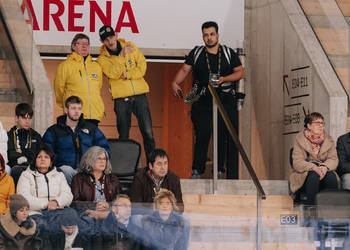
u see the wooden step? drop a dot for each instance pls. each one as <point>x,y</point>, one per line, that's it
<point>250,246</point>
<point>237,187</point>
<point>240,201</point>
<point>319,7</point>
<point>248,234</point>
<point>3,66</point>
<point>334,42</point>
<point>4,77</point>
<point>344,5</point>
<point>242,218</point>
<point>7,121</point>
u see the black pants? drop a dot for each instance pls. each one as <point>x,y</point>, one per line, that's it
<point>16,172</point>
<point>313,185</point>
<point>123,108</point>
<point>202,118</point>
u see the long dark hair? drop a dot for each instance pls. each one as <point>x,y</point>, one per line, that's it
<point>47,149</point>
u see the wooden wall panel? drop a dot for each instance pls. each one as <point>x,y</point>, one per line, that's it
<point>177,136</point>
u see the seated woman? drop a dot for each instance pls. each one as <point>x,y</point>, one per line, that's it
<point>7,187</point>
<point>17,230</point>
<point>95,186</point>
<point>165,229</point>
<point>314,159</point>
<point>42,185</point>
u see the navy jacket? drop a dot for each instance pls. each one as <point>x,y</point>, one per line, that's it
<point>170,234</point>
<point>69,146</point>
<point>115,235</point>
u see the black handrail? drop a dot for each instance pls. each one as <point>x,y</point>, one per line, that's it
<point>237,142</point>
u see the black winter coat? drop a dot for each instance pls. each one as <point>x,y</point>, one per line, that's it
<point>29,142</point>
<point>14,237</point>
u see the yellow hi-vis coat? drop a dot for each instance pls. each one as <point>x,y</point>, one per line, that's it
<point>133,64</point>
<point>81,78</point>
<point>7,188</point>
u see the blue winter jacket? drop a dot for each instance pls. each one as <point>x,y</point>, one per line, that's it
<point>69,146</point>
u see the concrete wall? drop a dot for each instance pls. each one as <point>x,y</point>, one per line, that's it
<point>33,67</point>
<point>278,40</point>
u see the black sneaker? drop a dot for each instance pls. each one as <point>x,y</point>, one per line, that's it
<point>195,174</point>
<point>220,175</point>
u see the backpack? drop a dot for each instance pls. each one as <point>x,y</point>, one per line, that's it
<point>198,50</point>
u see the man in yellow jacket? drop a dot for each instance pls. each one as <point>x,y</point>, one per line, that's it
<point>125,65</point>
<point>82,77</point>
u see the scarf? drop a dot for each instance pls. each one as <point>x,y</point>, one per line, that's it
<point>316,141</point>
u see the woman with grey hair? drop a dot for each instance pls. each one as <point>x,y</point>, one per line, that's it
<point>95,185</point>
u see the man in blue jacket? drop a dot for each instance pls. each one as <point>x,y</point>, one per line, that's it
<point>72,136</point>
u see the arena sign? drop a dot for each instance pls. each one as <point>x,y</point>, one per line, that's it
<point>150,24</point>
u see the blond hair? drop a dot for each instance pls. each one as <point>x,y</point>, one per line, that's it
<point>165,193</point>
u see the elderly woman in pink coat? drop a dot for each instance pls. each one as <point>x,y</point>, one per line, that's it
<point>314,160</point>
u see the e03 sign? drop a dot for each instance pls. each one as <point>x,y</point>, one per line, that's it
<point>288,219</point>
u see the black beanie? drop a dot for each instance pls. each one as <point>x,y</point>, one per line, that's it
<point>17,201</point>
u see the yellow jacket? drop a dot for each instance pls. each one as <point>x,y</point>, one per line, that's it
<point>134,65</point>
<point>82,79</point>
<point>7,188</point>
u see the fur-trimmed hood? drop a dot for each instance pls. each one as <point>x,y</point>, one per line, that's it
<point>12,228</point>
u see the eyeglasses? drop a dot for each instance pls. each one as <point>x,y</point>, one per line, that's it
<point>82,44</point>
<point>319,123</point>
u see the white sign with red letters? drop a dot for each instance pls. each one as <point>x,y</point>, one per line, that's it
<point>163,24</point>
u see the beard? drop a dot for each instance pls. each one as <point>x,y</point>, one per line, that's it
<point>211,45</point>
<point>72,118</point>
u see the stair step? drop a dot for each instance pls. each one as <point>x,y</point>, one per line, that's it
<point>238,187</point>
<point>8,95</point>
<point>2,65</point>
<point>4,77</point>
<point>334,42</point>
<point>248,234</point>
<point>7,121</point>
<point>344,6</point>
<point>250,246</point>
<point>315,8</point>
<point>246,217</point>
<point>218,201</point>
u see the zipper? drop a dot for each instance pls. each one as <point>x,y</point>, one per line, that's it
<point>132,86</point>
<point>88,83</point>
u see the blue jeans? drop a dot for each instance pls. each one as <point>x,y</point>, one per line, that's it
<point>68,172</point>
<point>138,104</point>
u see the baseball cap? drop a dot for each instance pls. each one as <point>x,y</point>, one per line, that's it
<point>106,31</point>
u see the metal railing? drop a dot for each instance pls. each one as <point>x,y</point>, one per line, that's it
<point>237,142</point>
<point>260,191</point>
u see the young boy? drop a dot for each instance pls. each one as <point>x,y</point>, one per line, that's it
<point>23,141</point>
